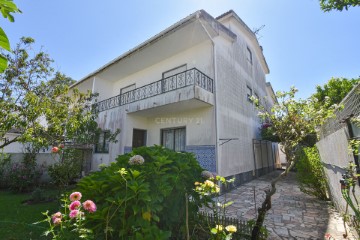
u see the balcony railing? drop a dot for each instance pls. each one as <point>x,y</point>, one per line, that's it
<point>177,81</point>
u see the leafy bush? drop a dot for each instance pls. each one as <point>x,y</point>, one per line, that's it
<point>143,195</point>
<point>5,162</point>
<point>310,173</point>
<point>22,176</point>
<point>67,169</point>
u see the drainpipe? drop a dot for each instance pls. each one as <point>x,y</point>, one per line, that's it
<point>217,155</point>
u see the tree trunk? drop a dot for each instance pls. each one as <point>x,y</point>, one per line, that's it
<point>266,205</point>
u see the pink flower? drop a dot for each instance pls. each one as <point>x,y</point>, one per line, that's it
<point>74,213</point>
<point>89,206</point>
<point>56,215</point>
<point>57,221</point>
<point>75,196</point>
<point>74,205</point>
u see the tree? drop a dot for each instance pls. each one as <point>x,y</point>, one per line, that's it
<point>292,121</point>
<point>7,8</point>
<point>328,5</point>
<point>40,106</point>
<point>335,90</point>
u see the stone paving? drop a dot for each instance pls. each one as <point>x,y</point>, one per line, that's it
<point>294,215</point>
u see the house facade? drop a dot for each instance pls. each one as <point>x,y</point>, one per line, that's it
<point>187,88</point>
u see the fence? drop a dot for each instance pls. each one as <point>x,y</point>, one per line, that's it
<point>265,156</point>
<point>244,228</point>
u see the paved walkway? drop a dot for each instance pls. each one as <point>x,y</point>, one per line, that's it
<point>294,215</point>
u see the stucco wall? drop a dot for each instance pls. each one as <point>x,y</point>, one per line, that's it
<point>237,116</point>
<point>197,56</point>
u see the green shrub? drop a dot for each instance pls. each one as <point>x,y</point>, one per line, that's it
<point>22,176</point>
<point>5,163</point>
<point>67,169</point>
<point>310,173</point>
<point>144,200</point>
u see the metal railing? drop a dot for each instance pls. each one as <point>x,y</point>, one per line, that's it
<point>187,78</point>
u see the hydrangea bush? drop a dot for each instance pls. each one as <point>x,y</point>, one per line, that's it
<point>144,195</point>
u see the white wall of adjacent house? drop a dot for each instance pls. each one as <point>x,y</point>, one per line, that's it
<point>236,74</point>
<point>15,147</point>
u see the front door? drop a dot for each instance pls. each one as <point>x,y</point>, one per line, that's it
<point>139,138</point>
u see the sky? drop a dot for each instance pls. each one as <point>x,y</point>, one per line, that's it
<point>303,46</point>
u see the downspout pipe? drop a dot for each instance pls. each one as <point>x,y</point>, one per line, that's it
<point>217,154</point>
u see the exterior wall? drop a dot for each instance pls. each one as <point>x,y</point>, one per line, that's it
<point>14,147</point>
<point>237,116</point>
<point>112,120</point>
<point>197,56</point>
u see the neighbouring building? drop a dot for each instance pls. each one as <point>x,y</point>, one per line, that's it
<point>188,88</point>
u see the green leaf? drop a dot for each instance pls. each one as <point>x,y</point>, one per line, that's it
<point>214,231</point>
<point>4,41</point>
<point>3,63</point>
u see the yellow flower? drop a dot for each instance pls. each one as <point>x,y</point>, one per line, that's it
<point>219,227</point>
<point>217,189</point>
<point>197,183</point>
<point>146,216</point>
<point>231,228</point>
<point>209,183</point>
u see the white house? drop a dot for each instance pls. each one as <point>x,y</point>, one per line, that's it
<point>187,88</point>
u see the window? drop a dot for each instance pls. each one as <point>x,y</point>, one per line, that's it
<point>139,138</point>
<point>174,139</point>
<point>102,145</point>
<point>248,93</point>
<point>174,71</point>
<point>249,55</point>
<point>127,89</point>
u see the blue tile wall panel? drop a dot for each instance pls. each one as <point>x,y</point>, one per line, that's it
<point>127,149</point>
<point>205,154</point>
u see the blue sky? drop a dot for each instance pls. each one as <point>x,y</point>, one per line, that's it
<point>303,46</point>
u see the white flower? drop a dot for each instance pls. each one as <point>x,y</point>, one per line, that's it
<point>136,160</point>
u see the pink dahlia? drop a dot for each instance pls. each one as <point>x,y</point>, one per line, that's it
<point>74,213</point>
<point>75,196</point>
<point>56,215</point>
<point>57,221</point>
<point>75,205</point>
<point>89,206</point>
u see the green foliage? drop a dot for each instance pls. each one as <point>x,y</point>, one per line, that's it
<point>292,121</point>
<point>67,168</point>
<point>142,194</point>
<point>22,176</point>
<point>216,227</point>
<point>328,5</point>
<point>7,8</point>
<point>32,95</point>
<point>69,223</point>
<point>310,173</point>
<point>5,162</point>
<point>334,91</point>
<point>267,133</point>
<point>348,182</point>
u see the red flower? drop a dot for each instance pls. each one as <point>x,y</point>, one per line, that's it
<point>55,150</point>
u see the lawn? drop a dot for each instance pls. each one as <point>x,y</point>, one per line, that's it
<point>17,218</point>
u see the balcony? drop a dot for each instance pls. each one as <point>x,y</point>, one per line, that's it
<point>188,82</point>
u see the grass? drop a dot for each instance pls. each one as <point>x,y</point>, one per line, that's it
<point>17,218</point>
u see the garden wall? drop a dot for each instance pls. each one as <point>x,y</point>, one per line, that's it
<point>335,156</point>
<point>334,145</point>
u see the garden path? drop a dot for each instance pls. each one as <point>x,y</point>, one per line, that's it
<point>294,215</point>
